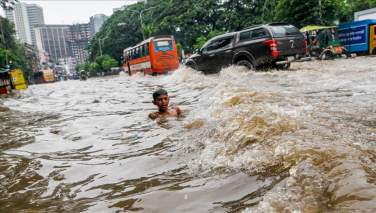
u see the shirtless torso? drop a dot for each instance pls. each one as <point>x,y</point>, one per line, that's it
<point>172,112</point>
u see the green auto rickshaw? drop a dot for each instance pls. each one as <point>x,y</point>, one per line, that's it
<point>323,43</point>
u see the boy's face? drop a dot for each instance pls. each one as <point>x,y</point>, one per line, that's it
<point>162,102</point>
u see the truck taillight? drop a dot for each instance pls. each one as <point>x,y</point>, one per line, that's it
<point>273,45</point>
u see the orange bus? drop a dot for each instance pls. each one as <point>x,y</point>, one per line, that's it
<point>156,55</point>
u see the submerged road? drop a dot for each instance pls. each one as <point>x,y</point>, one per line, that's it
<point>282,141</point>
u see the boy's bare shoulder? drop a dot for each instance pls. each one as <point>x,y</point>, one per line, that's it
<point>177,110</point>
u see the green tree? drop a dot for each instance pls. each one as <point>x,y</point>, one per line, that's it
<point>105,62</point>
<point>108,63</point>
<point>93,68</point>
<point>322,12</point>
<point>80,67</point>
<point>200,41</point>
<point>7,32</point>
<point>11,51</point>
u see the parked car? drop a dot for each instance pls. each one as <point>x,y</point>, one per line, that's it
<point>275,44</point>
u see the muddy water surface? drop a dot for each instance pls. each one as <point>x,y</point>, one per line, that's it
<point>295,141</point>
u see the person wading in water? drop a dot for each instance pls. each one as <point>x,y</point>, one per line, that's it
<point>162,100</point>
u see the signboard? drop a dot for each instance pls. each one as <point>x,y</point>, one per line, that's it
<point>353,35</point>
<point>372,39</point>
<point>18,79</point>
<point>48,75</point>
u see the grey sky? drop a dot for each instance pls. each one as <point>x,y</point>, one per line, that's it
<point>75,11</point>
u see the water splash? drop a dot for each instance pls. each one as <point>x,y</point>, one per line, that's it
<point>296,141</point>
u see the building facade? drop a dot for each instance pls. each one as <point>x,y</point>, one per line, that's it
<point>78,40</point>
<point>96,23</point>
<point>54,40</point>
<point>64,41</point>
<point>25,17</point>
<point>36,17</point>
<point>32,55</point>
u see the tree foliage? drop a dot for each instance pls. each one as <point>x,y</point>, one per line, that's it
<point>10,50</point>
<point>322,12</point>
<point>101,64</point>
<point>93,68</point>
<point>193,22</point>
<point>105,62</point>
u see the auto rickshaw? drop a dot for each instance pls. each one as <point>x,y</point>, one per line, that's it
<point>323,43</point>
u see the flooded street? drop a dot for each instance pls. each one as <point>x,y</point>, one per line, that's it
<point>290,141</point>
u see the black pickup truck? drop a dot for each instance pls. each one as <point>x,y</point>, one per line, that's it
<point>275,45</point>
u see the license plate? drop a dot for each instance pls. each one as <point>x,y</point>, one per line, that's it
<point>290,58</point>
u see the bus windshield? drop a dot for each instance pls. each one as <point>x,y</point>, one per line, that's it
<point>164,45</point>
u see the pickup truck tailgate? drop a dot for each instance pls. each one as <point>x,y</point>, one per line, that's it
<point>289,40</point>
<point>291,46</point>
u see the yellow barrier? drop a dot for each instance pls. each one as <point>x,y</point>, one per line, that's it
<point>372,39</point>
<point>18,79</point>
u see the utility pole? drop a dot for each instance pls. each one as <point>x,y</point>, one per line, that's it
<point>100,46</point>
<point>100,42</point>
<point>140,17</point>
<point>320,12</point>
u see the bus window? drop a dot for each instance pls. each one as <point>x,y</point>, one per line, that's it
<point>146,48</point>
<point>163,45</point>
<point>142,54</point>
<point>137,52</point>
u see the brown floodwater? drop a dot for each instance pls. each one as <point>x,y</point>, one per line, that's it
<point>301,140</point>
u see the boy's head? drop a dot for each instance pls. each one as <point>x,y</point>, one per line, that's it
<point>161,99</point>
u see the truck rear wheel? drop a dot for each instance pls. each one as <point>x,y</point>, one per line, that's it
<point>245,63</point>
<point>283,66</point>
<point>191,65</point>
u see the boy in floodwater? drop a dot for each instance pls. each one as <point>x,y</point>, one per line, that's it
<point>162,100</point>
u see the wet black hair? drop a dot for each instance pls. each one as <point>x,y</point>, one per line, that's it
<point>158,93</point>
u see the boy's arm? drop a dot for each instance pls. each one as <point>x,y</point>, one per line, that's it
<point>153,115</point>
<point>178,110</point>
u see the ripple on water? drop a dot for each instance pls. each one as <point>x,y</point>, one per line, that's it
<point>294,141</point>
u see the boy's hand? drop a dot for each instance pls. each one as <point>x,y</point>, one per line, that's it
<point>177,110</point>
<point>153,115</point>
